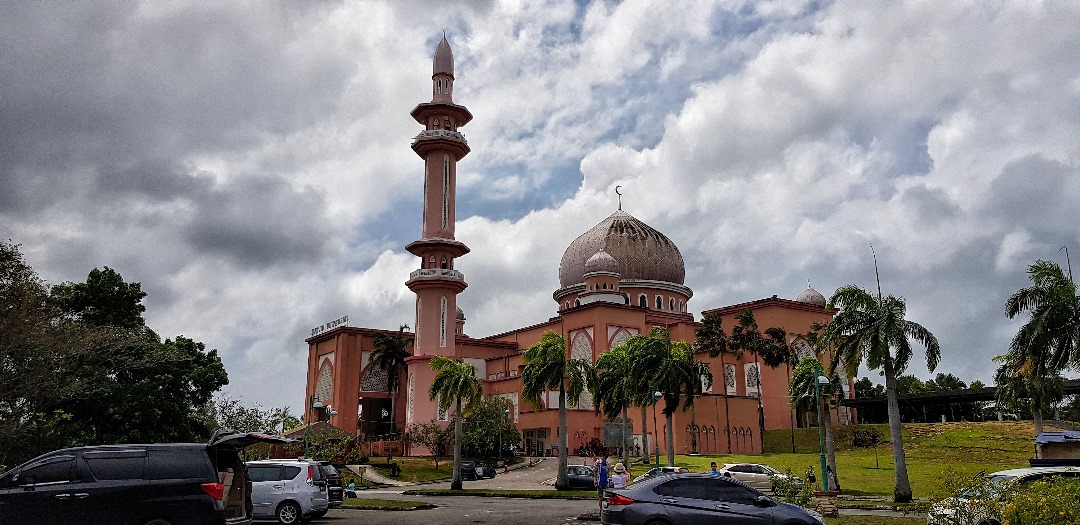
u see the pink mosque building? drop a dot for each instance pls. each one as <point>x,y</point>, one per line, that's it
<point>619,278</point>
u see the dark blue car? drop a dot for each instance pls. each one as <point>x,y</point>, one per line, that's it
<point>699,499</point>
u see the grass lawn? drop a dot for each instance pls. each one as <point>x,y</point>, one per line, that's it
<point>384,504</point>
<point>935,452</point>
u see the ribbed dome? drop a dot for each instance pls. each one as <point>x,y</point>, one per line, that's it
<point>444,58</point>
<point>640,252</point>
<point>811,296</point>
<point>601,262</point>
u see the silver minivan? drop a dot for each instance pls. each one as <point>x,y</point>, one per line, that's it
<point>289,490</point>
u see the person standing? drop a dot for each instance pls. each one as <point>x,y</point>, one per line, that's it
<point>713,471</point>
<point>619,477</point>
<point>600,477</point>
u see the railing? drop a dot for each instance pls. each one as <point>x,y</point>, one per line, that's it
<point>443,133</point>
<point>437,272</point>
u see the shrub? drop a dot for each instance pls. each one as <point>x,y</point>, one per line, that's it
<point>866,437</point>
<point>1049,502</point>
<point>787,488</point>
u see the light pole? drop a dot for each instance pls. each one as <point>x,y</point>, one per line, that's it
<point>506,412</point>
<point>656,431</point>
<point>820,379</point>
<point>313,403</point>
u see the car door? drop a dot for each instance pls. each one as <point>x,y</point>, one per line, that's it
<point>120,492</point>
<point>267,487</point>
<point>687,500</point>
<point>41,492</point>
<point>736,504</point>
<point>759,478</point>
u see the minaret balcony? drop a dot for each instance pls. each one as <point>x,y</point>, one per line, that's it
<point>441,133</point>
<point>439,273</point>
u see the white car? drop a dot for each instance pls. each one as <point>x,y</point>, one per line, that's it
<point>661,471</point>
<point>972,506</point>
<point>757,476</point>
<point>291,490</point>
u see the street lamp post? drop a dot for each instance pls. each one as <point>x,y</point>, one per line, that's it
<point>820,379</point>
<point>656,431</point>
<point>313,404</point>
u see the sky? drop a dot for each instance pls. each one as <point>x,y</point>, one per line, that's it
<point>249,164</point>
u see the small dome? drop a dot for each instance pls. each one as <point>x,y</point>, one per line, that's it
<point>460,314</point>
<point>444,58</point>
<point>811,296</point>
<point>601,262</point>
<point>641,252</point>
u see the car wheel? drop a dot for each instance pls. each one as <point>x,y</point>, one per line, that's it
<point>288,513</point>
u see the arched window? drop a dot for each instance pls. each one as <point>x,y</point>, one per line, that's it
<point>643,301</point>
<point>443,263</point>
<point>567,305</point>
<point>659,303</point>
<point>577,302</point>
<point>671,303</point>
<point>431,261</point>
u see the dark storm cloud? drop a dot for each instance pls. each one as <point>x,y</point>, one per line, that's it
<point>928,207</point>
<point>260,222</point>
<point>1033,193</point>
<point>90,91</point>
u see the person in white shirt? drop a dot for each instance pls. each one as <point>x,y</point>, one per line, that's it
<point>619,477</point>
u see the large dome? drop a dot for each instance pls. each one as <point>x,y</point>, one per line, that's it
<point>642,252</point>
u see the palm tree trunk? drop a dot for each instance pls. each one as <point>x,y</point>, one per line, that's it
<point>669,434</point>
<point>902,491</point>
<point>625,438</point>
<point>1036,414</point>
<point>727,414</point>
<point>644,435</point>
<point>455,484</point>
<point>830,448</point>
<point>562,482</point>
<point>792,412</point>
<point>693,431</point>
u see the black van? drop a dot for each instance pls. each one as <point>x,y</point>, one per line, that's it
<point>157,484</point>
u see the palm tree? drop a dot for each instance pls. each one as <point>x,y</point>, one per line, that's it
<point>802,394</point>
<point>1015,383</point>
<point>873,331</point>
<point>746,337</point>
<point>611,389</point>
<point>669,367</point>
<point>390,354</point>
<point>1049,341</point>
<point>712,340</point>
<point>455,383</point>
<point>547,368</point>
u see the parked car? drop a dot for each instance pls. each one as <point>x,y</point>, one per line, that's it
<point>468,470</point>
<point>698,498</point>
<point>483,470</point>
<point>290,490</point>
<point>335,489</point>
<point>661,471</point>
<point>972,506</point>
<point>176,483</point>
<point>758,476</point>
<point>580,477</point>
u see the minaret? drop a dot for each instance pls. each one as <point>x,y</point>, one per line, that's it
<point>436,284</point>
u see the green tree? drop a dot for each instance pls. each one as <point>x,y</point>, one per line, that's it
<point>455,383</point>
<point>390,354</point>
<point>283,418</point>
<point>103,300</point>
<point>1018,391</point>
<point>804,396</point>
<point>1048,342</point>
<point>668,367</point>
<point>772,346</point>
<point>431,435</point>
<point>488,423</point>
<point>874,331</point>
<point>548,368</point>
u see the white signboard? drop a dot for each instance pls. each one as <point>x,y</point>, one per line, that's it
<point>343,321</point>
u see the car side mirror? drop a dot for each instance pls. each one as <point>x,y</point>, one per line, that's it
<point>764,501</point>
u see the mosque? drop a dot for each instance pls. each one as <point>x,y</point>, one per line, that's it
<point>619,278</point>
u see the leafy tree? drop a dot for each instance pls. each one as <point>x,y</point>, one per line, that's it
<point>455,383</point>
<point>103,300</point>
<point>874,331</point>
<point>390,354</point>
<point>488,423</point>
<point>909,384</point>
<point>1047,343</point>
<point>866,388</point>
<point>282,418</point>
<point>1017,391</point>
<point>668,367</point>
<point>945,383</point>
<point>547,368</point>
<point>433,436</point>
